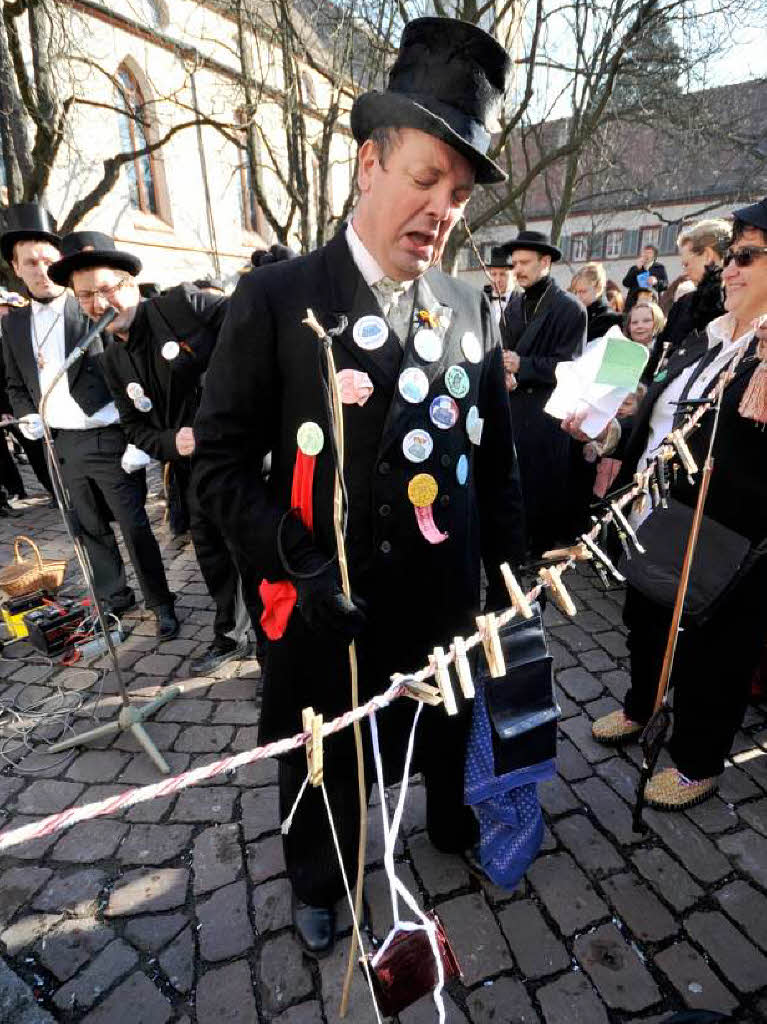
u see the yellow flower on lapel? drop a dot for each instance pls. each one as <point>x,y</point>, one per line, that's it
<point>425,317</point>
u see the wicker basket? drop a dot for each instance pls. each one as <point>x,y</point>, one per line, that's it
<point>23,577</point>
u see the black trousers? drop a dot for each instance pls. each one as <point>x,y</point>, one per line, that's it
<point>99,488</point>
<point>712,672</point>
<point>10,478</point>
<point>35,453</point>
<point>310,854</point>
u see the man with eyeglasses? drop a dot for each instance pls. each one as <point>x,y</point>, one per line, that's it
<point>154,371</point>
<point>82,417</point>
<point>716,656</point>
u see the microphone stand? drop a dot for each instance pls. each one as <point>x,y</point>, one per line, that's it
<point>131,718</point>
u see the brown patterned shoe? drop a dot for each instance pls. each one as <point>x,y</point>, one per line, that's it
<point>615,728</point>
<point>669,790</point>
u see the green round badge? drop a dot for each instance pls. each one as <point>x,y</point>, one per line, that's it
<point>310,438</point>
<point>457,381</point>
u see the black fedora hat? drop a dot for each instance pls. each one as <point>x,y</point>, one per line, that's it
<point>499,257</point>
<point>83,249</point>
<point>534,241</point>
<point>27,222</point>
<point>755,215</point>
<point>449,80</point>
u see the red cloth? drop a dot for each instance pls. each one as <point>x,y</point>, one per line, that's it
<point>279,598</point>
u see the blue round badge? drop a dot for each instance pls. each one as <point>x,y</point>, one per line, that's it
<point>443,412</point>
<point>462,470</point>
<point>370,332</point>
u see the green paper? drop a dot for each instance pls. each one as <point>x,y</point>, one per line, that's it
<point>622,363</point>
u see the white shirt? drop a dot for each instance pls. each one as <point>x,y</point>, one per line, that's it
<point>499,305</point>
<point>665,409</point>
<point>365,262</point>
<point>48,342</point>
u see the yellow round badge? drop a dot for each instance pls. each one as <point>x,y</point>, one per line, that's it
<point>422,490</point>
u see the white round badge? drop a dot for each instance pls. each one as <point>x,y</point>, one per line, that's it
<point>417,445</point>
<point>170,350</point>
<point>413,385</point>
<point>310,438</point>
<point>428,345</point>
<point>370,332</point>
<point>471,347</point>
<point>443,412</point>
<point>143,404</point>
<point>134,391</point>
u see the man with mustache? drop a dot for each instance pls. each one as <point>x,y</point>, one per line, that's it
<point>429,469</point>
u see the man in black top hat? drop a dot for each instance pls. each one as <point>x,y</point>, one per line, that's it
<point>501,290</point>
<point>429,466</point>
<point>155,373</point>
<point>543,326</point>
<point>82,416</point>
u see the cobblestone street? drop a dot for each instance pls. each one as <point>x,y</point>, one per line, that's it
<point>179,909</point>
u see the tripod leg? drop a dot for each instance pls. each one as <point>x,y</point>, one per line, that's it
<point>84,737</point>
<point>145,740</point>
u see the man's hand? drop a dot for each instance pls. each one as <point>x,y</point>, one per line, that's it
<point>185,441</point>
<point>572,425</point>
<point>510,362</point>
<point>653,280</point>
<point>6,418</point>
<point>326,608</point>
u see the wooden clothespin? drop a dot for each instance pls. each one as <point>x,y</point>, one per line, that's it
<point>689,463</point>
<point>516,593</point>
<point>552,577</point>
<point>314,759</point>
<point>443,680</point>
<point>462,669</point>
<point>491,641</point>
<point>578,552</point>
<point>418,690</point>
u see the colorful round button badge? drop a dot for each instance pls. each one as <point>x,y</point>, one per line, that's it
<point>444,412</point>
<point>370,332</point>
<point>170,350</point>
<point>422,492</point>
<point>471,347</point>
<point>310,438</point>
<point>134,391</point>
<point>413,385</point>
<point>457,381</point>
<point>462,470</point>
<point>417,445</point>
<point>474,425</point>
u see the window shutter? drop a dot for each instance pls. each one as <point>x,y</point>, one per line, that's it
<point>597,245</point>
<point>564,245</point>
<point>631,243</point>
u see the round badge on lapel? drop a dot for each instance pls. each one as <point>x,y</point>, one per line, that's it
<point>417,445</point>
<point>471,347</point>
<point>422,490</point>
<point>428,344</point>
<point>413,385</point>
<point>370,332</point>
<point>310,438</point>
<point>457,381</point>
<point>443,412</point>
<point>143,404</point>
<point>474,425</point>
<point>462,470</point>
<point>134,391</point>
<point>170,350</point>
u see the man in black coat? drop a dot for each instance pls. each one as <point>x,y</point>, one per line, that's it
<point>714,662</point>
<point>429,468</point>
<point>83,418</point>
<point>543,326</point>
<point>502,288</point>
<point>154,370</point>
<point>646,273</point>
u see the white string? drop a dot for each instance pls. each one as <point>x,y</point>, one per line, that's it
<point>396,887</point>
<point>285,826</point>
<point>350,900</point>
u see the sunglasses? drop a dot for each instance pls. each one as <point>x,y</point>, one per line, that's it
<point>744,257</point>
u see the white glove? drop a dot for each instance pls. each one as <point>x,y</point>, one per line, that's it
<point>31,426</point>
<point>134,459</point>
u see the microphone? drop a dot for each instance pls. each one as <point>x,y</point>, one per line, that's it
<point>81,348</point>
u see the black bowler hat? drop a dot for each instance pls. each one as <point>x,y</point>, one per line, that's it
<point>83,249</point>
<point>449,80</point>
<point>755,215</point>
<point>534,241</point>
<point>276,254</point>
<point>27,222</point>
<point>499,257</point>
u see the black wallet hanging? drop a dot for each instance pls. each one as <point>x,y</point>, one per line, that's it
<point>521,705</point>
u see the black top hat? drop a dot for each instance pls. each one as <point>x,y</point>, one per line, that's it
<point>276,254</point>
<point>755,215</point>
<point>27,222</point>
<point>499,257</point>
<point>449,80</point>
<point>534,241</point>
<point>83,249</point>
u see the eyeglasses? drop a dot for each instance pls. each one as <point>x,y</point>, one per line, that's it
<point>744,257</point>
<point>106,293</point>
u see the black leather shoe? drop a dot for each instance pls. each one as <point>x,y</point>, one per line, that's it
<point>315,927</point>
<point>7,512</point>
<point>122,604</point>
<point>167,623</point>
<point>222,649</point>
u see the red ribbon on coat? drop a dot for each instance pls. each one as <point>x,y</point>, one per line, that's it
<point>279,598</point>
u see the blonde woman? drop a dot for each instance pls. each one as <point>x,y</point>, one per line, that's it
<point>701,248</point>
<point>588,285</point>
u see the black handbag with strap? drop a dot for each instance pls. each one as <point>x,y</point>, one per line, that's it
<point>722,559</point>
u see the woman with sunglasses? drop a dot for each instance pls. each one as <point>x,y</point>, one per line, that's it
<point>715,660</point>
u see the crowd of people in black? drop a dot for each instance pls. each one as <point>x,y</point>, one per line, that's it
<point>451,460</point>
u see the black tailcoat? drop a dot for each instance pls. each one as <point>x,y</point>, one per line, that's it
<point>264,383</point>
<point>86,379</point>
<point>556,333</point>
<point>184,315</point>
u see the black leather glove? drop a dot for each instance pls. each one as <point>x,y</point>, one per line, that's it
<point>326,608</point>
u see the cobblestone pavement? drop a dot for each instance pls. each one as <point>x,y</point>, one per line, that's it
<point>178,910</point>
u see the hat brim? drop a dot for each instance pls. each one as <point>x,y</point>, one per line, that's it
<point>10,238</point>
<point>376,109</point>
<point>755,215</point>
<point>62,271</point>
<point>541,247</point>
